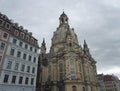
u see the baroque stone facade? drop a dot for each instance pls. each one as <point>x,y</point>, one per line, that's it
<point>68,66</point>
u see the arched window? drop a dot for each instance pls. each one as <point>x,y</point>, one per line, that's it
<point>72,70</point>
<point>70,44</point>
<point>74,88</point>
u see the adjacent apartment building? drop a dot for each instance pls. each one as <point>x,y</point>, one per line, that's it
<point>19,52</point>
<point>108,82</point>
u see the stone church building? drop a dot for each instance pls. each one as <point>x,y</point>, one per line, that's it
<point>68,66</point>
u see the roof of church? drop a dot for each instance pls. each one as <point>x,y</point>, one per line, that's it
<point>63,14</point>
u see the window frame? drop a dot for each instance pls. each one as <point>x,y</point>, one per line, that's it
<point>32,81</point>
<point>5,36</point>
<point>27,37</point>
<point>33,70</point>
<point>20,80</point>
<point>20,43</point>
<point>12,51</point>
<point>9,64</point>
<point>24,56</point>
<point>22,35</point>
<point>22,67</point>
<point>18,54</point>
<point>26,80</point>
<point>2,22</point>
<point>13,79</point>
<point>31,48</point>
<point>14,41</point>
<point>72,70</point>
<point>6,78</point>
<point>16,32</point>
<point>26,46</point>
<point>0,58</point>
<point>29,58</point>
<point>16,67</point>
<point>34,60</point>
<point>2,45</point>
<point>28,69</point>
<point>7,26</point>
<point>32,40</point>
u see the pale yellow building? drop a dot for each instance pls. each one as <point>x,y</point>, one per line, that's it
<point>68,66</point>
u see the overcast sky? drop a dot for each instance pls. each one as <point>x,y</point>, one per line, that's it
<point>96,21</point>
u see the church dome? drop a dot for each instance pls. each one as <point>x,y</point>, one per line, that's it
<point>60,36</point>
<point>64,33</point>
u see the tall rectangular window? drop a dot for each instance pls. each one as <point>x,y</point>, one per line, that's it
<point>33,70</point>
<point>6,77</point>
<point>31,48</point>
<point>23,67</point>
<point>35,50</point>
<point>20,80</point>
<point>24,56</point>
<point>28,68</point>
<point>12,52</point>
<point>13,79</point>
<point>26,46</point>
<point>0,58</point>
<point>9,65</point>
<point>72,71</point>
<point>2,46</point>
<point>21,43</point>
<point>18,54</point>
<point>7,25</point>
<point>16,66</point>
<point>34,60</point>
<point>32,81</point>
<point>5,35</point>
<point>29,58</point>
<point>26,80</point>
<point>14,41</point>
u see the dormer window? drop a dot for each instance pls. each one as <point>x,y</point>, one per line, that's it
<point>1,22</point>
<point>32,40</point>
<point>27,37</point>
<point>7,26</point>
<point>22,35</point>
<point>35,42</point>
<point>16,33</point>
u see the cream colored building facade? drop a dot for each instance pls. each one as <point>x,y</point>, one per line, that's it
<point>68,66</point>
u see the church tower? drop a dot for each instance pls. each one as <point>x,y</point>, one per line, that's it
<point>69,67</point>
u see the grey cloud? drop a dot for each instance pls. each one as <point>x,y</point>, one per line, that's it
<point>97,21</point>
